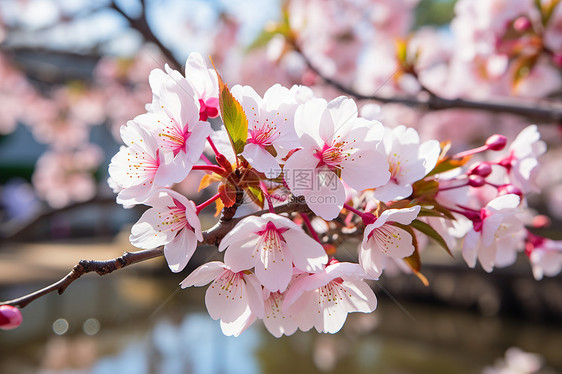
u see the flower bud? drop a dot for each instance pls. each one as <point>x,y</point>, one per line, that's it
<point>476,181</point>
<point>496,142</point>
<point>506,189</point>
<point>10,317</point>
<point>482,169</point>
<point>522,24</point>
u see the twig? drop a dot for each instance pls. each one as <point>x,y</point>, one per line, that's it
<point>212,236</point>
<point>140,24</point>
<point>540,111</point>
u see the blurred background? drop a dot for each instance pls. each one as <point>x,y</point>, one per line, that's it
<point>73,71</point>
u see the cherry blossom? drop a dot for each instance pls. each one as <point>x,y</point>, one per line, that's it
<point>171,221</point>
<point>335,142</point>
<point>270,126</point>
<point>174,119</point>
<point>545,256</point>
<point>137,168</point>
<point>496,234</point>
<point>233,297</point>
<point>272,244</point>
<point>408,161</point>
<point>382,240</point>
<point>521,161</point>
<point>277,322</point>
<point>323,300</point>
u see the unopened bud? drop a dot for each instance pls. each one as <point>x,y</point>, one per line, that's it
<point>482,169</point>
<point>522,24</point>
<point>541,221</point>
<point>506,189</point>
<point>10,317</point>
<point>496,142</point>
<point>476,181</point>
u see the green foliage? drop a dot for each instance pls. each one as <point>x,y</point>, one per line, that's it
<point>434,12</point>
<point>233,117</point>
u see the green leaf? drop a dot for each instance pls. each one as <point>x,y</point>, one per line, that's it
<point>233,117</point>
<point>430,231</point>
<point>446,164</point>
<point>256,194</point>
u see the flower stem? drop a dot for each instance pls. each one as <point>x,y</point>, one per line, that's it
<point>205,204</point>
<point>352,209</point>
<point>308,224</point>
<point>213,168</point>
<point>205,159</point>
<point>267,197</point>
<point>213,146</point>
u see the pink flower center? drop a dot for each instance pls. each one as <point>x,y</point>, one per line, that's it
<point>265,135</point>
<point>174,138</point>
<point>230,283</point>
<point>174,219</point>
<point>332,156</point>
<point>269,246</point>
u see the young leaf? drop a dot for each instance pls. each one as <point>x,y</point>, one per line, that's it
<point>227,194</point>
<point>233,117</point>
<point>256,194</point>
<point>414,260</point>
<point>430,231</point>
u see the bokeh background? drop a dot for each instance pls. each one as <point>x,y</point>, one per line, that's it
<point>73,71</point>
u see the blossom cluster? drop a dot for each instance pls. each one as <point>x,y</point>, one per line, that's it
<point>319,161</point>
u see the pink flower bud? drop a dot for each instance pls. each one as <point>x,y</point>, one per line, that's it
<point>505,189</point>
<point>496,142</point>
<point>10,317</point>
<point>522,24</point>
<point>476,181</point>
<point>481,169</point>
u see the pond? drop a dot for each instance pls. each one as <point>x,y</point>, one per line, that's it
<point>142,322</point>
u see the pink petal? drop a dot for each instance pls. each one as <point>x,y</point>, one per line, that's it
<point>203,274</point>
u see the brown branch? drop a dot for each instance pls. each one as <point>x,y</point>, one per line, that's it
<point>212,236</point>
<point>88,266</point>
<point>539,111</point>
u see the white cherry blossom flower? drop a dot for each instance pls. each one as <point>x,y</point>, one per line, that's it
<point>233,297</point>
<point>521,162</point>
<point>172,221</point>
<point>323,300</point>
<point>382,240</point>
<point>272,244</point>
<point>545,256</point>
<point>176,126</point>
<point>277,322</point>
<point>137,168</point>
<point>408,161</point>
<point>335,143</point>
<point>496,235</point>
<point>270,125</point>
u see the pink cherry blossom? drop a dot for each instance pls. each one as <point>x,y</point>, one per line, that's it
<point>545,256</point>
<point>277,322</point>
<point>521,161</point>
<point>63,177</point>
<point>233,297</point>
<point>174,121</point>
<point>408,161</point>
<point>270,125</point>
<point>205,84</point>
<point>10,317</point>
<point>335,142</point>
<point>272,244</point>
<point>382,240</point>
<point>496,235</point>
<point>137,168</point>
<point>323,300</point>
<point>172,221</point>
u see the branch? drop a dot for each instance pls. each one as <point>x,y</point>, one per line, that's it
<point>545,111</point>
<point>211,236</point>
<point>141,25</point>
<point>88,266</point>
